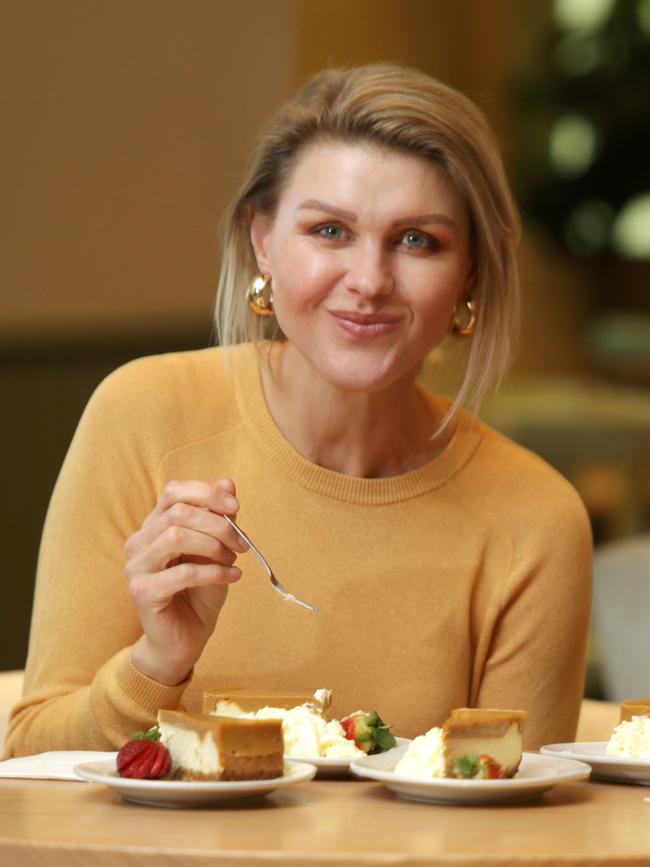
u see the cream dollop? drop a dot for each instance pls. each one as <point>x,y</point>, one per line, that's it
<point>425,757</point>
<point>631,739</point>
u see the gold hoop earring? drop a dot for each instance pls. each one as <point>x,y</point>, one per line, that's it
<point>464,327</point>
<point>260,295</point>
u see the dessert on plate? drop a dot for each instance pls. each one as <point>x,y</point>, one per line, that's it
<point>473,743</point>
<point>631,737</point>
<point>235,701</point>
<point>635,707</point>
<point>204,747</point>
<point>306,729</point>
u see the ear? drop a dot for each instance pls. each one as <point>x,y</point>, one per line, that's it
<point>260,230</point>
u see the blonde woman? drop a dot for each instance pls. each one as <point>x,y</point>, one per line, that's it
<point>451,567</point>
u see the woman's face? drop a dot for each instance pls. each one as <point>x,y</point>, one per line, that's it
<point>368,252</point>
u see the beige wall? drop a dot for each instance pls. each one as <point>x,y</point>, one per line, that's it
<point>125,127</point>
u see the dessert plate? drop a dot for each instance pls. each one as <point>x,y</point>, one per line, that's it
<point>176,793</point>
<point>335,767</point>
<point>603,767</point>
<point>536,775</point>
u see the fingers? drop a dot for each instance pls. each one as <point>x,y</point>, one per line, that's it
<point>184,576</point>
<point>219,498</point>
<point>202,521</point>
<point>193,505</point>
<point>177,542</point>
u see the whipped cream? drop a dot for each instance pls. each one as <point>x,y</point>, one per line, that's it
<point>305,731</point>
<point>425,757</point>
<point>631,739</point>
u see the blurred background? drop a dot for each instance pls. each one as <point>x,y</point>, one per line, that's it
<point>126,127</point>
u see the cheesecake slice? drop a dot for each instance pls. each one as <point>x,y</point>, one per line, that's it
<point>306,729</point>
<point>635,707</point>
<point>482,743</point>
<point>472,744</point>
<point>221,748</point>
<point>235,700</point>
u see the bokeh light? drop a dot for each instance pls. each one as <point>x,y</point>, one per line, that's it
<point>643,11</point>
<point>581,14</point>
<point>588,228</point>
<point>631,231</point>
<point>573,144</point>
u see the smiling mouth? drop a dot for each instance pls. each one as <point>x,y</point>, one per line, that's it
<point>365,324</point>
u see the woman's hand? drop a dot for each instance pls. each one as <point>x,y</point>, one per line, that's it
<point>179,565</point>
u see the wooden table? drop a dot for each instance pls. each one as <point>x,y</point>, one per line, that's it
<point>329,822</point>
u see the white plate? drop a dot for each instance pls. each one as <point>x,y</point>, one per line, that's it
<point>535,776</point>
<point>338,766</point>
<point>176,793</point>
<point>603,767</point>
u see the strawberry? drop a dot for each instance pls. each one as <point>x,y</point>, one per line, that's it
<point>473,767</point>
<point>368,731</point>
<point>144,757</point>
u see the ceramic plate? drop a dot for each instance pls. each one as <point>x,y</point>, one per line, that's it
<point>336,767</point>
<point>175,793</point>
<point>603,767</point>
<point>536,775</point>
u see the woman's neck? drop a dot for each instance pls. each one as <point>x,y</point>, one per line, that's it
<point>369,435</point>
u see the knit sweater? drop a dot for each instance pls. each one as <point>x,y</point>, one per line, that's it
<point>465,582</point>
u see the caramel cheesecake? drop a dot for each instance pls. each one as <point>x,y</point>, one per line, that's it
<point>635,707</point>
<point>470,734</point>
<point>234,701</point>
<point>472,744</point>
<point>204,747</point>
<point>631,737</point>
<point>307,731</point>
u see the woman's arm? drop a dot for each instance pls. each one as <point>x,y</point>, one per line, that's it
<point>537,653</point>
<point>82,688</point>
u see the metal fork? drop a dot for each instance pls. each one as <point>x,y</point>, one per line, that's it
<point>274,581</point>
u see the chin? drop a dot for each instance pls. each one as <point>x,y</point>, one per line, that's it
<point>361,377</point>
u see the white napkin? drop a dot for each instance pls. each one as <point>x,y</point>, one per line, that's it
<point>51,766</point>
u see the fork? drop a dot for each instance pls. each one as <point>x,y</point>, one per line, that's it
<point>274,581</point>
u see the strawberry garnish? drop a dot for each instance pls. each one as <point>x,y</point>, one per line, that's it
<point>490,768</point>
<point>368,731</point>
<point>473,767</point>
<point>144,757</point>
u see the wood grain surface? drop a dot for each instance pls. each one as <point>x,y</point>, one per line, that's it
<point>331,822</point>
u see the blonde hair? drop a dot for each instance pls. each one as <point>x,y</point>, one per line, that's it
<point>405,110</point>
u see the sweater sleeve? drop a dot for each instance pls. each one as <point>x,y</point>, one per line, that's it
<point>536,660</point>
<point>81,691</point>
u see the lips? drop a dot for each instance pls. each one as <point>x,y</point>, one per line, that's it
<point>365,318</point>
<point>365,324</point>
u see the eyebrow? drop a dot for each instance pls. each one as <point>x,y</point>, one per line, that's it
<point>317,205</point>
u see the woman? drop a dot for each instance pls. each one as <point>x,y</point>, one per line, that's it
<point>450,566</point>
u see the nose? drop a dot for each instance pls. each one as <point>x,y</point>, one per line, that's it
<point>369,271</point>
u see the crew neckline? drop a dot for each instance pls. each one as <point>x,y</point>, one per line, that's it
<point>276,449</point>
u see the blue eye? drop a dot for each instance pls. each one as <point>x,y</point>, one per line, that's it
<point>330,231</point>
<point>418,241</point>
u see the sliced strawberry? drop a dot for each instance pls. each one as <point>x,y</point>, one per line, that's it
<point>144,758</point>
<point>368,731</point>
<point>490,768</point>
<point>473,767</point>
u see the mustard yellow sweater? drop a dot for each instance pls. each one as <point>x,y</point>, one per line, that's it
<point>465,582</point>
